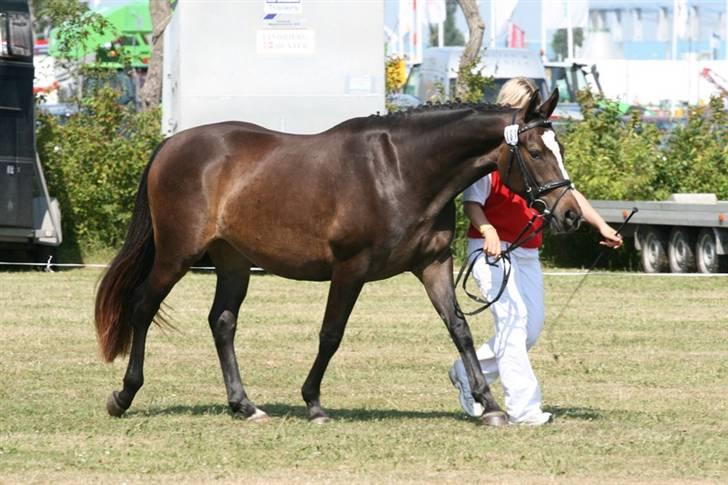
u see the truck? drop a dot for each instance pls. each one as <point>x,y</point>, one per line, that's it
<point>30,220</point>
<point>686,233</point>
<point>437,74</point>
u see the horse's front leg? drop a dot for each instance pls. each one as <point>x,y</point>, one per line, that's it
<point>438,280</point>
<point>343,292</point>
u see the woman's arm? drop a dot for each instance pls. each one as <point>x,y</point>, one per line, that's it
<point>474,211</point>
<point>611,238</point>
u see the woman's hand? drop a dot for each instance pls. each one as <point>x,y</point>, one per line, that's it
<point>611,238</point>
<point>492,244</point>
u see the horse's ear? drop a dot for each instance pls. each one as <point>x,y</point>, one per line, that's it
<point>549,105</point>
<point>532,106</point>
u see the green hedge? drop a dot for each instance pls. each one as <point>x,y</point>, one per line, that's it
<point>93,161</point>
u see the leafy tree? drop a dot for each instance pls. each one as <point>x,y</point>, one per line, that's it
<point>560,42</point>
<point>94,157</point>
<point>151,93</point>
<point>451,36</point>
<point>471,53</point>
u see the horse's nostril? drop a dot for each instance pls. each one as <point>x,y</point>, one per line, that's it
<point>572,218</point>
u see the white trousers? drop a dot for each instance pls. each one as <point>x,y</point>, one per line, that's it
<point>519,318</point>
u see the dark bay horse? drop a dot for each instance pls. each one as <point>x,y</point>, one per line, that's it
<point>368,199</point>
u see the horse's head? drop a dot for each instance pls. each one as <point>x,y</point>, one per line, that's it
<point>531,164</point>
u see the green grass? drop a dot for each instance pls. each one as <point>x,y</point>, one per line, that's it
<point>639,389</point>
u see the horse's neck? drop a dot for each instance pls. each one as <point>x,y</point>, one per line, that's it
<point>452,153</point>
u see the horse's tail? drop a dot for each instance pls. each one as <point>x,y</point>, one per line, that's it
<point>125,273</point>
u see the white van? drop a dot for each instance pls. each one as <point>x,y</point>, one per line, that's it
<point>439,68</point>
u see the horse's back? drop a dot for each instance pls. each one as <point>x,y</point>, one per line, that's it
<point>282,200</point>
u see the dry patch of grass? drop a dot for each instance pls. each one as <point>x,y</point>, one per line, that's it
<point>638,389</point>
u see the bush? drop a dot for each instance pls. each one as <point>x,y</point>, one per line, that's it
<point>93,162</point>
<point>696,154</point>
<point>610,157</point>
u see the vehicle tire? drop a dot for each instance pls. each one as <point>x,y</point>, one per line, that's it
<point>654,251</point>
<point>681,250</point>
<point>706,254</point>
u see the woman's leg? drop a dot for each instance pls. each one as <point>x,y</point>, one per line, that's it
<point>530,284</point>
<point>506,354</point>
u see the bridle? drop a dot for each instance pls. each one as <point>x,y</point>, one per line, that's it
<point>534,193</point>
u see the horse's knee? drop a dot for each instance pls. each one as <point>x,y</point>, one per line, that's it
<point>460,334</point>
<point>329,341</point>
<point>223,326</point>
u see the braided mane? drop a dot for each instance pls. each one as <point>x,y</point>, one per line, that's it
<point>430,107</point>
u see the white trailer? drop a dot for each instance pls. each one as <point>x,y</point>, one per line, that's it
<point>687,233</point>
<point>299,66</point>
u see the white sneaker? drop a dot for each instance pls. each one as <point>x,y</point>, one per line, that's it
<point>459,379</point>
<point>538,419</point>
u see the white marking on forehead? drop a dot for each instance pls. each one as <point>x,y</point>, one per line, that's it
<point>549,139</point>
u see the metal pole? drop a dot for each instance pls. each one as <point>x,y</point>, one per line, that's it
<point>492,24</point>
<point>569,32</point>
<point>674,30</point>
<point>419,21</point>
<point>543,28</point>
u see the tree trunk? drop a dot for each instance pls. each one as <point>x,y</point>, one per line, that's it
<point>151,92</point>
<point>471,54</point>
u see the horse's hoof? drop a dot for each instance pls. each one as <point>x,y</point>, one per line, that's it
<point>495,418</point>
<point>113,407</point>
<point>320,419</point>
<point>259,416</point>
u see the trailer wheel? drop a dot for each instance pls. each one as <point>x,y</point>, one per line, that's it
<point>680,250</point>
<point>654,251</point>
<point>707,257</point>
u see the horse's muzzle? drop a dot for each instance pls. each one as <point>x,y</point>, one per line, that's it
<point>568,222</point>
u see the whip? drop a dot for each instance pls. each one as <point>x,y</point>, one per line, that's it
<point>583,279</point>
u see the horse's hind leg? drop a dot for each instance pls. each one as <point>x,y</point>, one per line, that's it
<point>233,275</point>
<point>147,297</point>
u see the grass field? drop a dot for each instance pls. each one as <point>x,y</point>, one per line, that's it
<point>639,389</point>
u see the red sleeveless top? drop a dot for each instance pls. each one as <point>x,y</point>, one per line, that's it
<point>509,214</point>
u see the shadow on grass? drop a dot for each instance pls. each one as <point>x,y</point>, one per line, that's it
<point>586,414</point>
<point>278,410</point>
<point>281,410</point>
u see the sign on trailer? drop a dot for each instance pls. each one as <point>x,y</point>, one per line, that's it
<point>299,66</point>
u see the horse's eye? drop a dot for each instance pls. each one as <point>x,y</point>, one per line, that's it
<point>534,154</point>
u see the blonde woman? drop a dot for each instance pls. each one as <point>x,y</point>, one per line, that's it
<point>497,216</point>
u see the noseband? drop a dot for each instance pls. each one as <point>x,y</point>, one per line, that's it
<point>534,191</point>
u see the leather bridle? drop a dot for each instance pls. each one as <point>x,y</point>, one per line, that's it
<point>533,190</point>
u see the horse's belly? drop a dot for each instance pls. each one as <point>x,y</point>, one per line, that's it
<point>296,258</point>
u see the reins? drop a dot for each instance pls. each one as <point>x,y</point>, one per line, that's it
<point>469,263</point>
<point>511,134</point>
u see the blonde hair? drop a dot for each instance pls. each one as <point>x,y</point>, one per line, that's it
<point>516,92</point>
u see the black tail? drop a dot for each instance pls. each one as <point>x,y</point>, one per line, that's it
<point>127,271</point>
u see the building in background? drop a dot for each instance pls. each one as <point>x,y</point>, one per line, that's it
<point>632,29</point>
